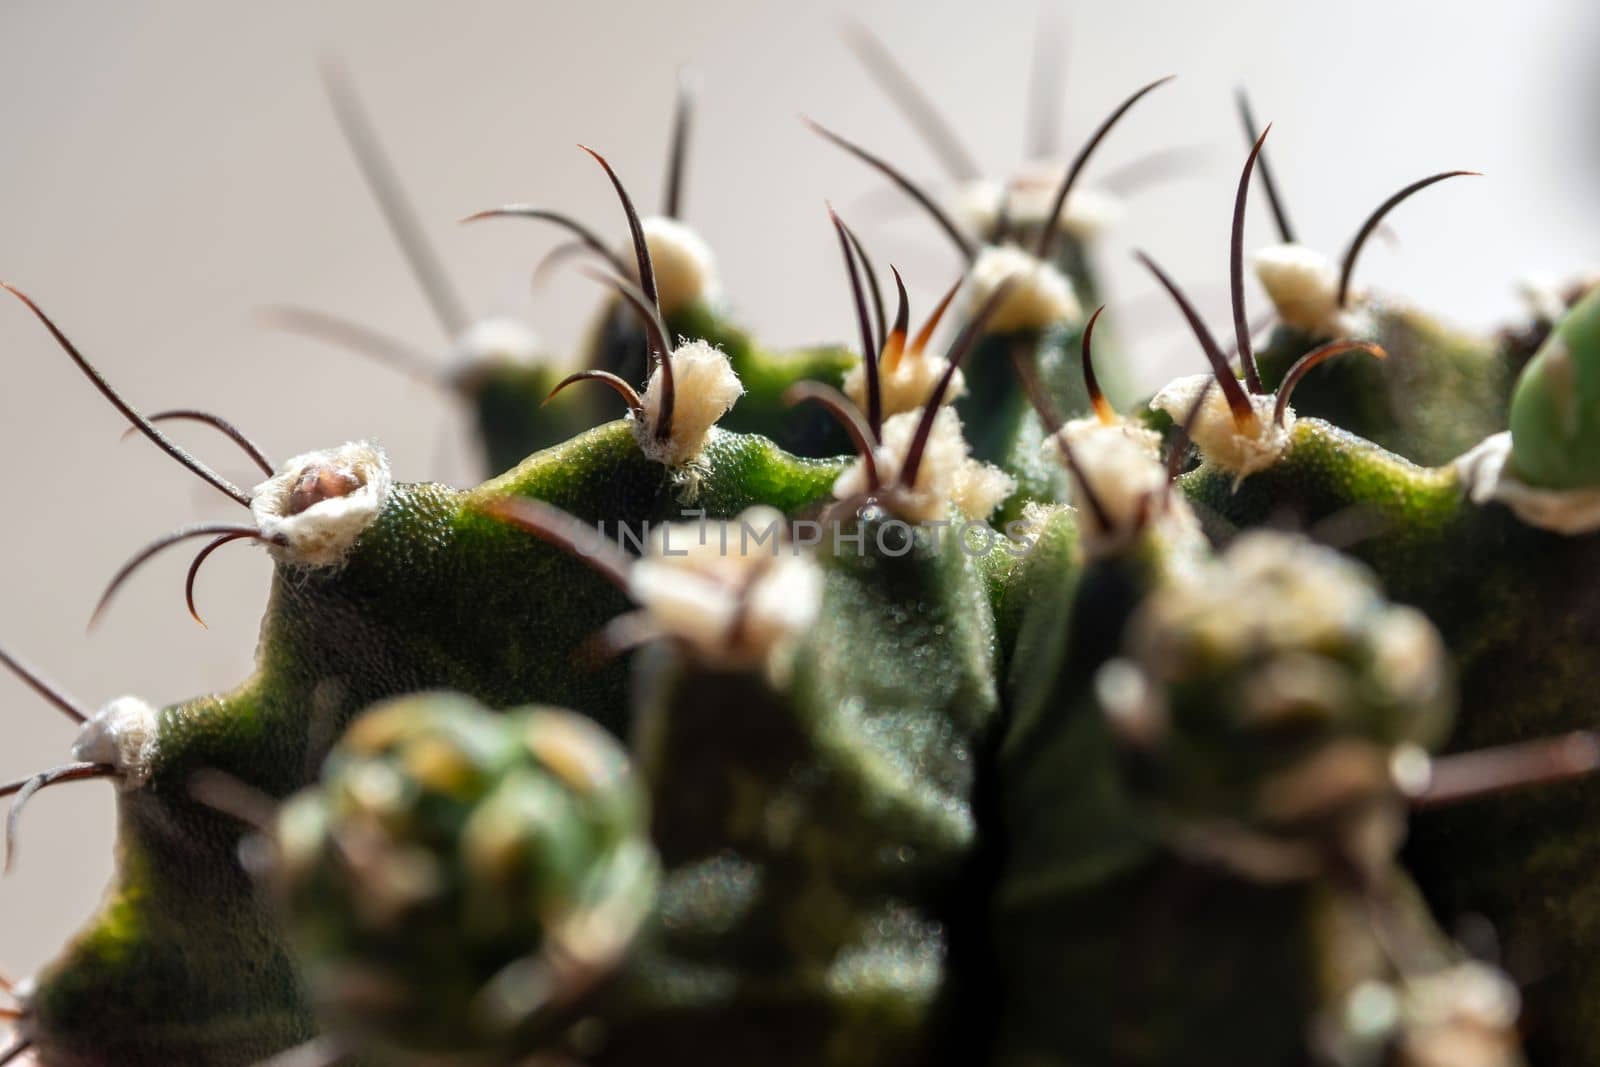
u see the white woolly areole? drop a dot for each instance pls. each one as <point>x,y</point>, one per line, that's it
<point>1087,212</point>
<point>734,592</point>
<point>490,343</point>
<point>1487,475</point>
<point>1303,285</point>
<point>704,388</point>
<point>1220,441</point>
<point>905,386</point>
<point>1122,464</point>
<point>321,535</point>
<point>1040,296</point>
<point>685,266</point>
<point>948,473</point>
<point>122,734</point>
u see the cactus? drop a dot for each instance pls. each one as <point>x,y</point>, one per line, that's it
<point>883,703</point>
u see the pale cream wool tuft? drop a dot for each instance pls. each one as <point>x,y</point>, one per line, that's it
<point>907,385</point>
<point>1040,296</point>
<point>322,534</point>
<point>489,344</point>
<point>705,387</point>
<point>1220,441</point>
<point>948,473</point>
<point>123,735</point>
<point>1122,464</point>
<point>685,266</point>
<point>1488,477</point>
<point>734,591</point>
<point>1303,285</point>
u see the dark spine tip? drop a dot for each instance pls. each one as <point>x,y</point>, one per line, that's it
<point>1097,399</point>
<point>1251,131</point>
<point>1348,266</point>
<point>964,244</point>
<point>1241,322</point>
<point>1047,236</point>
<point>194,570</point>
<point>587,236</point>
<point>1317,355</point>
<point>221,425</point>
<point>210,529</point>
<point>874,291</point>
<point>127,410</point>
<point>52,693</point>
<point>629,395</point>
<point>26,789</point>
<point>847,415</point>
<point>869,350</point>
<point>1244,415</point>
<point>641,248</point>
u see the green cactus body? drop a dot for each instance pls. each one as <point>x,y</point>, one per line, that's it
<point>1520,630</point>
<point>1119,879</point>
<point>1439,392</point>
<point>1140,783</point>
<point>515,415</point>
<point>841,803</point>
<point>433,593</point>
<point>1069,830</point>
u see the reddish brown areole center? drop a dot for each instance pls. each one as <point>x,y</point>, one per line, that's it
<point>319,483</point>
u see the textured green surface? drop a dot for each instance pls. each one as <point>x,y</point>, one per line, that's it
<point>1440,391</point>
<point>435,594</point>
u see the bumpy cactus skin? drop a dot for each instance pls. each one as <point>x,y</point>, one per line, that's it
<point>841,803</point>
<point>435,593</point>
<point>1008,739</point>
<point>1519,622</point>
<point>1441,391</point>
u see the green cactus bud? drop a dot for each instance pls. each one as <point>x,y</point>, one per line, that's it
<point>461,882</point>
<point>1556,398</point>
<point>1264,699</point>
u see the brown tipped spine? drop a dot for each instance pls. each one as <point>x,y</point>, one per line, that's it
<point>1317,355</point>
<point>1091,384</point>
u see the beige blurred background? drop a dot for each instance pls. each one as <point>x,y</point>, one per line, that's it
<point>169,167</point>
